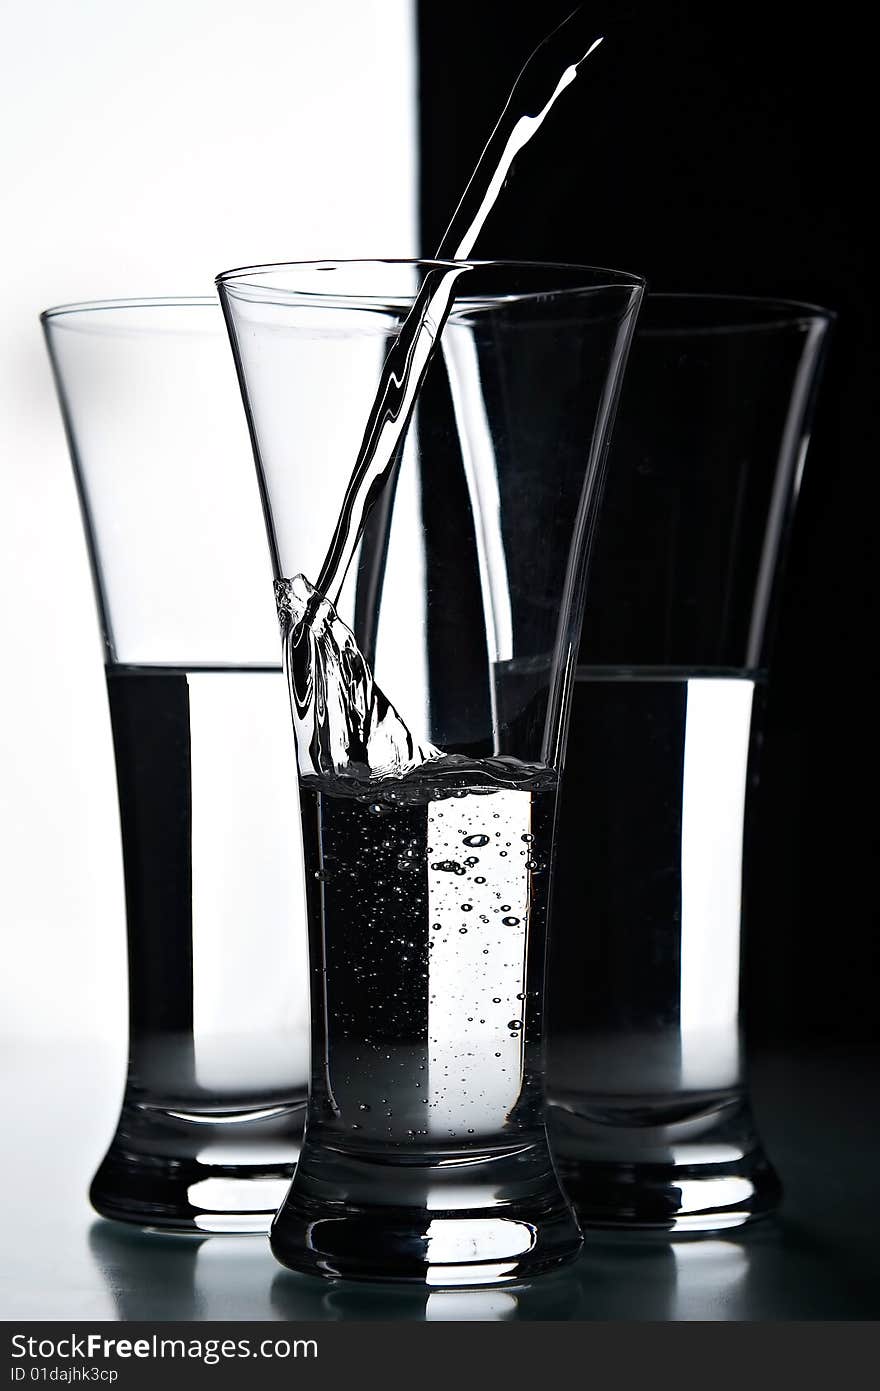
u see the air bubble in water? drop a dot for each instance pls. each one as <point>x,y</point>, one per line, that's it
<point>448,866</point>
<point>476,841</point>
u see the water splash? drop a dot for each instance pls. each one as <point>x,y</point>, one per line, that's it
<point>345,726</point>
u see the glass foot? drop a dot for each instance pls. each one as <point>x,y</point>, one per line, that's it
<point>189,1173</point>
<point>705,1174</point>
<point>479,1219</point>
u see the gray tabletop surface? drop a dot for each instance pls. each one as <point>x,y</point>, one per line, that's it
<point>819,1259</point>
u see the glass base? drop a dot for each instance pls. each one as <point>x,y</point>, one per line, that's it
<point>470,1220</point>
<point>189,1173</point>
<point>704,1174</point>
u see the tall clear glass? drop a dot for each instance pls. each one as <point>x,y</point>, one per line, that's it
<point>650,1117</point>
<point>430,727</point>
<point>214,1100</point>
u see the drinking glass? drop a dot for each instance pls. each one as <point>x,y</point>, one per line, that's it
<point>214,1099</point>
<point>429,864</point>
<point>649,1107</point>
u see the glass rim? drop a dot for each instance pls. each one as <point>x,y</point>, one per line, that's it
<point>759,312</point>
<point>601,277</point>
<point>93,306</point>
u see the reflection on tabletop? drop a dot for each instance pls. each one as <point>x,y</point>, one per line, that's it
<point>816,1260</point>
<point>775,1270</point>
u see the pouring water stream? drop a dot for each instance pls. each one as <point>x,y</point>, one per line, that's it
<point>345,725</point>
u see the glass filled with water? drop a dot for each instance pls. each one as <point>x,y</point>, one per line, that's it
<point>649,1115</point>
<point>214,1100</point>
<point>430,606</point>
